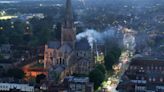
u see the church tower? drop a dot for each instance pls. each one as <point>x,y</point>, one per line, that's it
<point>68,31</point>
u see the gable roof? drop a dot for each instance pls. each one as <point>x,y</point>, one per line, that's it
<point>65,48</point>
<point>82,45</point>
<point>54,44</point>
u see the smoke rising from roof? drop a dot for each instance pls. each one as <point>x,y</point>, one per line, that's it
<point>95,36</point>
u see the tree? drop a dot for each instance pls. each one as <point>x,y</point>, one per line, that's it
<point>97,77</point>
<point>101,68</point>
<point>15,73</point>
<point>40,77</point>
<point>109,61</point>
<point>113,52</point>
<point>1,56</point>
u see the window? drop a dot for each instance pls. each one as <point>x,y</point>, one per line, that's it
<point>77,54</point>
<point>161,79</point>
<point>153,79</point>
<point>152,67</point>
<point>60,61</point>
<point>141,67</point>
<point>84,54</point>
<point>150,79</point>
<point>72,86</point>
<point>137,77</point>
<point>78,87</point>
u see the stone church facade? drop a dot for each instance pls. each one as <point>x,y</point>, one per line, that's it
<point>68,55</point>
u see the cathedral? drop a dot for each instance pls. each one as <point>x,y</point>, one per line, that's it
<point>68,56</point>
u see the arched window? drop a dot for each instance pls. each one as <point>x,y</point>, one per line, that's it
<point>60,61</point>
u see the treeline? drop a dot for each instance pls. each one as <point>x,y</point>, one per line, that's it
<point>41,31</point>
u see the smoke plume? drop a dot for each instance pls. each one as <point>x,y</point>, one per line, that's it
<point>94,36</point>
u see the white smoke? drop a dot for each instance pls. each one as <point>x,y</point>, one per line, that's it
<point>94,36</point>
<point>129,40</point>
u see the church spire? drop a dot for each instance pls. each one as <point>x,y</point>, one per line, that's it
<point>68,16</point>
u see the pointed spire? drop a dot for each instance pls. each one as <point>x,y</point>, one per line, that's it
<point>68,15</point>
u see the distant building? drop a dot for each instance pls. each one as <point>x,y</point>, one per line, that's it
<point>40,54</point>
<point>7,63</point>
<point>143,75</point>
<point>29,16</point>
<point>5,51</point>
<point>69,84</point>
<point>33,72</point>
<point>79,84</point>
<point>13,87</point>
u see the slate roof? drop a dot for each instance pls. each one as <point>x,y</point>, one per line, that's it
<point>82,45</point>
<point>65,48</point>
<point>54,44</point>
<point>59,68</point>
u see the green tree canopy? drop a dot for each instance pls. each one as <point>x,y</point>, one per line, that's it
<point>109,61</point>
<point>15,73</point>
<point>97,77</point>
<point>40,77</point>
<point>101,67</point>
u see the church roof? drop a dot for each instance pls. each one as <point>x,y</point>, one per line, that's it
<point>59,68</point>
<point>54,44</point>
<point>82,45</point>
<point>66,48</point>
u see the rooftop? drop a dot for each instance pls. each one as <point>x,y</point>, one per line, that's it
<point>82,45</point>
